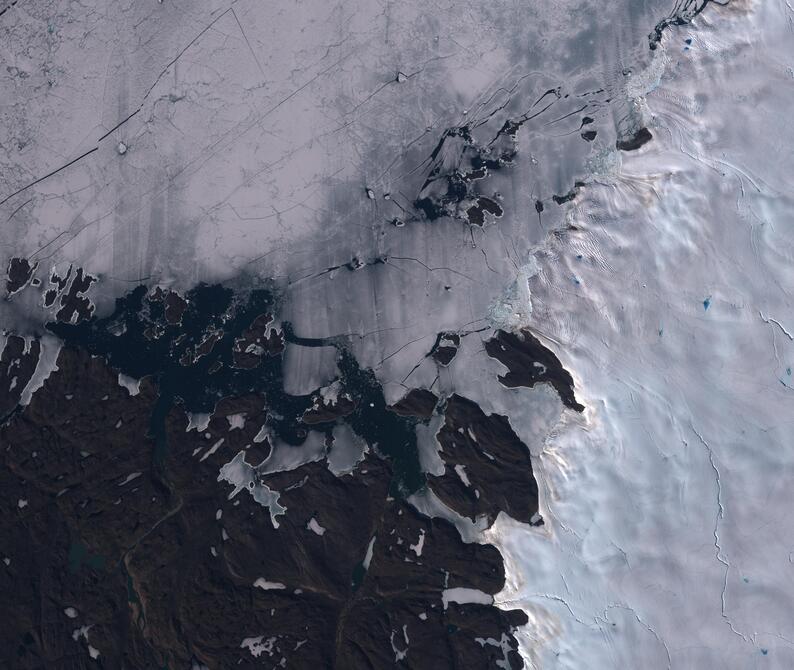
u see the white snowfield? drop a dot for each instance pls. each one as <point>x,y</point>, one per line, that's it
<point>669,537</point>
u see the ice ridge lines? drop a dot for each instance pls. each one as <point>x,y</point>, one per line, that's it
<point>645,625</point>
<point>770,320</point>
<point>717,543</point>
<point>552,597</point>
<point>48,175</point>
<point>8,6</point>
<point>133,113</point>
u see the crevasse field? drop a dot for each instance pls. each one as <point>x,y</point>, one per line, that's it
<point>671,541</point>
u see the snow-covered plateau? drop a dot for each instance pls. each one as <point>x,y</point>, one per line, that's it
<point>669,539</point>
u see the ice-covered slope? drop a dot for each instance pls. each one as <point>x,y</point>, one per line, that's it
<point>669,541</point>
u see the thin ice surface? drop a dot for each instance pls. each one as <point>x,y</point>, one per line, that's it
<point>222,139</point>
